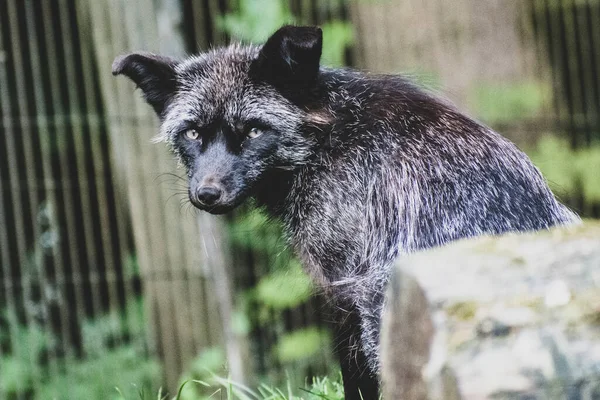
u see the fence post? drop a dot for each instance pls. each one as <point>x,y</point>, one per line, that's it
<point>170,244</point>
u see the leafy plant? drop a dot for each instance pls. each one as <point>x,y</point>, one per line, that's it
<point>284,289</point>
<point>337,36</point>
<point>254,20</point>
<point>505,102</point>
<point>209,362</point>
<point>567,169</point>
<point>110,360</point>
<point>286,285</point>
<point>97,377</point>
<point>301,344</point>
<point>20,368</point>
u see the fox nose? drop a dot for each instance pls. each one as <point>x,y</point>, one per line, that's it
<point>208,195</point>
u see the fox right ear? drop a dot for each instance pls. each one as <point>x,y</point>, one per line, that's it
<point>152,73</point>
<point>291,55</point>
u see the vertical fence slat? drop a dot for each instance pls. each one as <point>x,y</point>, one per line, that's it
<point>67,206</point>
<point>585,67</point>
<point>50,188</point>
<point>214,13</point>
<point>72,128</point>
<point>5,247</point>
<point>593,18</point>
<point>121,218</point>
<point>541,66</point>
<point>120,253</point>
<point>144,166</point>
<point>148,203</point>
<point>17,207</point>
<point>170,41</point>
<point>77,120</point>
<point>199,17</point>
<point>570,43</point>
<point>126,181</point>
<point>7,285</point>
<point>33,257</point>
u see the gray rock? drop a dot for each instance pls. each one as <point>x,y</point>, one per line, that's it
<point>516,316</point>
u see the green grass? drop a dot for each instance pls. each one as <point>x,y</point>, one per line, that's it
<point>323,388</point>
<point>107,360</point>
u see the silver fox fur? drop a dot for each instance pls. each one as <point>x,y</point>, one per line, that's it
<point>361,168</point>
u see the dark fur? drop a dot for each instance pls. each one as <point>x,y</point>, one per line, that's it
<point>361,168</point>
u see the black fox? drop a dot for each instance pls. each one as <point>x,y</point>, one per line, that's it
<point>361,168</point>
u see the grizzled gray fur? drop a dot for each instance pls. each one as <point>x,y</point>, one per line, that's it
<point>361,168</point>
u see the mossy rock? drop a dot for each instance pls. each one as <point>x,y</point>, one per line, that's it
<point>515,314</point>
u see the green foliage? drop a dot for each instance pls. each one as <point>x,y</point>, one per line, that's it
<point>99,334</point>
<point>427,79</point>
<point>252,230</point>
<point>286,285</point>
<point>302,344</point>
<point>97,377</point>
<point>203,369</point>
<point>131,266</point>
<point>283,289</point>
<point>221,388</point>
<point>255,20</point>
<point>203,380</point>
<point>108,364</point>
<point>337,36</point>
<point>555,159</point>
<point>567,169</point>
<point>20,367</point>
<point>211,359</point>
<point>507,102</point>
<point>555,4</point>
<point>109,361</point>
<point>588,163</point>
<point>17,375</point>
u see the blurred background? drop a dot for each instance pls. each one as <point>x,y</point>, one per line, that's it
<point>110,279</point>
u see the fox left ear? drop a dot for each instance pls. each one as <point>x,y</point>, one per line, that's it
<point>152,73</point>
<point>291,55</point>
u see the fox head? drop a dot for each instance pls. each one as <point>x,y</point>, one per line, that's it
<point>234,114</point>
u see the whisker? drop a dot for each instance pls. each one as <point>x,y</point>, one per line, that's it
<point>174,195</point>
<point>170,175</point>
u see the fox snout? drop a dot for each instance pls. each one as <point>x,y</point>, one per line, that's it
<point>206,196</point>
<point>209,195</point>
<point>216,194</point>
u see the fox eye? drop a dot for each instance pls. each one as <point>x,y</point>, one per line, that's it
<point>192,134</point>
<point>254,133</point>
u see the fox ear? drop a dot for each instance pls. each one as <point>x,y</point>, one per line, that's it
<point>152,73</point>
<point>291,55</point>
